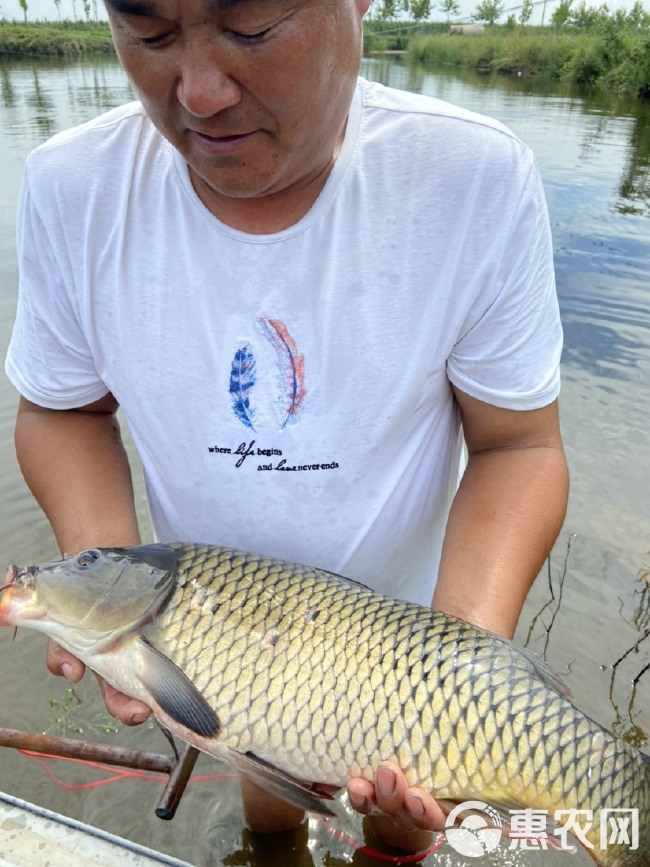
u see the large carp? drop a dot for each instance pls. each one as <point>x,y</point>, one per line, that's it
<point>296,676</point>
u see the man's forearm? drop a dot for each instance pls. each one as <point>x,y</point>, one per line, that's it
<point>76,467</point>
<point>506,515</point>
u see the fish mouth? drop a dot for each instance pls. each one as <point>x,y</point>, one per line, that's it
<point>5,604</point>
<point>16,594</point>
<point>19,575</point>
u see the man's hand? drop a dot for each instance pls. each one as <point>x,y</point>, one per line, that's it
<point>402,817</point>
<point>127,710</point>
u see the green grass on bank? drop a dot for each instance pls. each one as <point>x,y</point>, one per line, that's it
<point>514,52</point>
<point>609,54</point>
<point>52,39</point>
<point>611,58</point>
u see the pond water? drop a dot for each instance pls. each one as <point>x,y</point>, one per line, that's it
<point>591,603</point>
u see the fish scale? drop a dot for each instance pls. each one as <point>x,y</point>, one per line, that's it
<point>323,679</point>
<point>490,694</point>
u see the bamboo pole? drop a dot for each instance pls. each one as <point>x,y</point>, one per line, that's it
<point>178,780</point>
<point>86,751</point>
<point>178,770</point>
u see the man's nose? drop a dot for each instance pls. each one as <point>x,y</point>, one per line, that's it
<point>205,87</point>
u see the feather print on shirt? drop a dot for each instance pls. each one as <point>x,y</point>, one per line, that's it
<point>291,370</point>
<point>242,379</point>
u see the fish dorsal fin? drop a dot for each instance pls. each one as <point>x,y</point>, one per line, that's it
<point>543,670</point>
<point>534,663</point>
<point>344,578</point>
<point>176,694</point>
<point>279,783</point>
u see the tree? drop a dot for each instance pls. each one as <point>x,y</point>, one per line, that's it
<point>57,3</point>
<point>526,11</point>
<point>638,17</point>
<point>388,9</point>
<point>23,6</point>
<point>562,13</point>
<point>420,9</point>
<point>450,7</point>
<point>489,11</point>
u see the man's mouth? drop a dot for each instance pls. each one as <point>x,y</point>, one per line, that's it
<point>225,143</point>
<point>222,137</point>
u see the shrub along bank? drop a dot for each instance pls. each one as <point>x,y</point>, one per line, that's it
<point>52,39</point>
<point>594,46</point>
<point>583,44</point>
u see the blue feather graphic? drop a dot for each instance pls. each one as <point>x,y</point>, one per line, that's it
<point>242,380</point>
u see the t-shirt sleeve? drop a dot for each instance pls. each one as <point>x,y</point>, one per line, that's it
<point>509,356</point>
<point>49,360</point>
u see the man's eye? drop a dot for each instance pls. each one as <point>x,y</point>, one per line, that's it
<point>252,38</point>
<point>154,41</point>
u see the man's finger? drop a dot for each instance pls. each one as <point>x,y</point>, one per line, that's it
<point>361,794</point>
<point>390,795</point>
<point>390,788</point>
<point>424,810</point>
<point>127,710</point>
<point>63,664</point>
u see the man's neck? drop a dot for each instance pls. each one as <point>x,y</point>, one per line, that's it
<point>266,215</point>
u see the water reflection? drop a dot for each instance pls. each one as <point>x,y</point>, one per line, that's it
<point>259,850</point>
<point>635,184</point>
<point>7,89</point>
<point>531,96</point>
<point>32,91</point>
<point>100,84</point>
<point>624,692</point>
<point>42,106</point>
<point>628,723</point>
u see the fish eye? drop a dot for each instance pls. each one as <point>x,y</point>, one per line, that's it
<point>87,558</point>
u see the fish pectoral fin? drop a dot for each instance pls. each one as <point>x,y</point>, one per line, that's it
<point>176,694</point>
<point>278,783</point>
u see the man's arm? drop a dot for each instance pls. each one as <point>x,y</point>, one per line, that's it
<point>75,466</point>
<point>506,515</point>
<point>504,519</point>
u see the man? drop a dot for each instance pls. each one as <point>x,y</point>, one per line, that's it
<point>297,286</point>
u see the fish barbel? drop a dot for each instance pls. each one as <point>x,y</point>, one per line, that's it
<point>296,676</point>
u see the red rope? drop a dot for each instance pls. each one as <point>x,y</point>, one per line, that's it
<point>117,775</point>
<point>380,856</point>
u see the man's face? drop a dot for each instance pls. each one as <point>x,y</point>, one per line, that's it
<point>253,93</point>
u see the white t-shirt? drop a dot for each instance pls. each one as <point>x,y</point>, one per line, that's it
<point>290,393</point>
